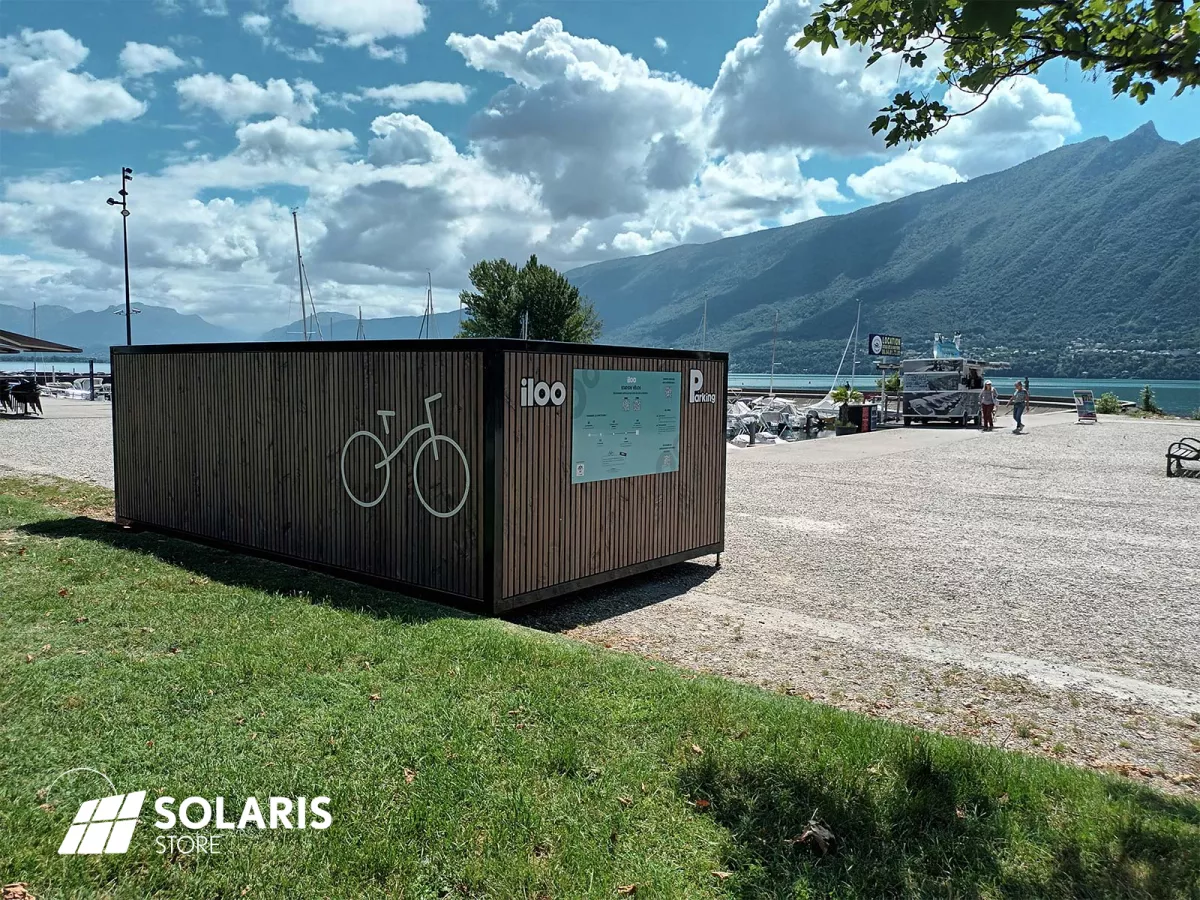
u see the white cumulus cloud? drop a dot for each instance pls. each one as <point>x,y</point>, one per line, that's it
<point>402,96</point>
<point>660,43</point>
<point>39,91</point>
<point>362,23</point>
<point>1022,119</point>
<point>238,99</point>
<point>139,60</point>
<point>587,121</point>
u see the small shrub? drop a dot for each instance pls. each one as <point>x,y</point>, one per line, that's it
<point>1196,413</point>
<point>839,395</point>
<point>1109,404</point>
<point>1146,401</point>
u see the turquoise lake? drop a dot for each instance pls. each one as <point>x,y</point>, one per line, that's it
<point>1176,397</point>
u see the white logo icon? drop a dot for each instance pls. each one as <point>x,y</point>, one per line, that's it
<point>540,393</point>
<point>877,344</point>
<point>384,463</point>
<point>696,388</point>
<point>578,470</point>
<point>104,825</point>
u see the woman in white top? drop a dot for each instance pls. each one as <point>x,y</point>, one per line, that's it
<point>987,403</point>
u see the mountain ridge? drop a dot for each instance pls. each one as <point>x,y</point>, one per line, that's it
<point>1028,262</point>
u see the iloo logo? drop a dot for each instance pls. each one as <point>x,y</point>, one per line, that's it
<point>541,393</point>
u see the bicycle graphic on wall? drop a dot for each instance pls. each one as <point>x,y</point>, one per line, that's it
<point>430,443</point>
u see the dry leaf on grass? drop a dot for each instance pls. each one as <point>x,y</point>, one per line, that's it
<point>627,889</point>
<point>702,804</point>
<point>409,776</point>
<point>63,592</point>
<point>625,801</point>
<point>696,748</point>
<point>374,697</point>
<point>723,875</point>
<point>17,891</point>
<point>816,834</point>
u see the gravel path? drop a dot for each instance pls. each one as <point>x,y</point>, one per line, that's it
<point>1037,591</point>
<point>72,440</point>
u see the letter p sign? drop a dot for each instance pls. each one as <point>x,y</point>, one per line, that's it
<point>696,388</point>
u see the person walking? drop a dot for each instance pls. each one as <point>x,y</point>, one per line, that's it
<point>987,405</point>
<point>1018,401</point>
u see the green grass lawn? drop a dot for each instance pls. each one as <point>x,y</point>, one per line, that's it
<point>466,757</point>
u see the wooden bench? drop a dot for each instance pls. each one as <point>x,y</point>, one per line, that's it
<point>1183,458</point>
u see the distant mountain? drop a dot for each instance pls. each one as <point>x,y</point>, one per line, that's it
<point>345,328</point>
<point>21,320</point>
<point>339,325</point>
<point>95,330</point>
<point>1097,243</point>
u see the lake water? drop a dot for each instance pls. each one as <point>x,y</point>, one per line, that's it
<point>1176,397</point>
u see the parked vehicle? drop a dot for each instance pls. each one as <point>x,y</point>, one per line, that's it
<point>945,388</point>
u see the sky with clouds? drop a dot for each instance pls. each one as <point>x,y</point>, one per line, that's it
<point>422,137</point>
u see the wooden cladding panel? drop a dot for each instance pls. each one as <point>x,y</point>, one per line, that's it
<point>555,532</point>
<point>245,447</point>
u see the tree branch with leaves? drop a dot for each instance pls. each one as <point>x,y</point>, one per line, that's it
<point>984,43</point>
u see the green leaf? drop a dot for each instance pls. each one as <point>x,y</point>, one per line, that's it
<point>997,16</point>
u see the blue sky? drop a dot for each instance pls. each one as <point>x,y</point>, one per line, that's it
<point>422,137</point>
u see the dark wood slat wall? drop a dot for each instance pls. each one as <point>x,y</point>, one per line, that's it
<point>555,532</point>
<point>245,447</point>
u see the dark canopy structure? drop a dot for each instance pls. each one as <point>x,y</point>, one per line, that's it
<point>12,342</point>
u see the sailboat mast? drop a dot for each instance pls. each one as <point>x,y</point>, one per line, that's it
<point>774,335</point>
<point>300,277</point>
<point>854,359</point>
<point>704,327</point>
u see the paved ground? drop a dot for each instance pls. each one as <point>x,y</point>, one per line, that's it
<point>1037,591</point>
<point>72,440</point>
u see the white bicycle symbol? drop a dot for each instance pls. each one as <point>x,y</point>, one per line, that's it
<point>385,463</point>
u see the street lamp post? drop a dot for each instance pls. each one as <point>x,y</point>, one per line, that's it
<point>126,177</point>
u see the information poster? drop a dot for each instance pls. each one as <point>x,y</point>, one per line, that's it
<point>1085,406</point>
<point>625,424</point>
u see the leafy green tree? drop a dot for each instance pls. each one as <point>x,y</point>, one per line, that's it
<point>840,395</point>
<point>504,294</point>
<point>1146,401</point>
<point>982,43</point>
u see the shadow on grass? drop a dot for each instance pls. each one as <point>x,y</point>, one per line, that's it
<point>244,570</point>
<point>922,829</point>
<point>239,569</point>
<point>600,603</point>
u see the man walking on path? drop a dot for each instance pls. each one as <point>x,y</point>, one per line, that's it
<point>987,404</point>
<point>1018,401</point>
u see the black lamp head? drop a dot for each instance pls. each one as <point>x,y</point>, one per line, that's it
<point>112,202</point>
<point>127,171</point>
